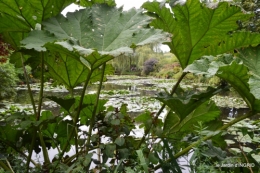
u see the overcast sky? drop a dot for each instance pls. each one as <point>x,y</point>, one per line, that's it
<point>127,4</point>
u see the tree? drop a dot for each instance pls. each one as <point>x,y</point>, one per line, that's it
<point>135,61</point>
<point>149,66</point>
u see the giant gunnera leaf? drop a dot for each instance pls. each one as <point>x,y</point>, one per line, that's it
<point>108,30</point>
<point>198,30</point>
<point>91,36</point>
<point>205,112</point>
<point>251,58</point>
<point>70,72</point>
<point>18,17</point>
<point>230,70</point>
<point>185,103</point>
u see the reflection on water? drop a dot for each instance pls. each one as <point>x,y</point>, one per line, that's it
<point>138,90</point>
<point>112,86</point>
<point>23,96</point>
<point>232,112</point>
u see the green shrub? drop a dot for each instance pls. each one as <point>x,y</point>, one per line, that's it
<point>214,80</point>
<point>8,81</point>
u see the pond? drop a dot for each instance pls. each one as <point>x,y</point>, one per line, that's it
<point>137,92</point>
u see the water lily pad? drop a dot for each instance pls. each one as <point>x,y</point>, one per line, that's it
<point>256,157</point>
<point>247,149</point>
<point>244,139</point>
<point>256,139</point>
<point>228,141</point>
<point>235,150</point>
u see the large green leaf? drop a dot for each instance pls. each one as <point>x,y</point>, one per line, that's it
<point>66,70</point>
<point>206,112</point>
<point>64,103</point>
<point>10,134</point>
<point>209,65</point>
<point>23,15</point>
<point>106,29</point>
<point>145,120</point>
<point>251,58</point>
<point>231,71</point>
<point>96,74</point>
<point>20,17</point>
<point>171,121</point>
<point>184,105</point>
<point>88,57</point>
<point>71,72</point>
<point>198,30</point>
<point>92,36</point>
<point>237,76</point>
<point>88,110</point>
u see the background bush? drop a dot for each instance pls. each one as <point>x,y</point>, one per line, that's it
<point>8,78</point>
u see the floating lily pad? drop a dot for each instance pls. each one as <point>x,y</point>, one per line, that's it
<point>256,157</point>
<point>228,141</point>
<point>235,150</point>
<point>247,149</point>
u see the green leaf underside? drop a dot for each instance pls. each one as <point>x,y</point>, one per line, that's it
<point>183,106</point>
<point>106,29</point>
<point>209,65</point>
<point>66,70</point>
<point>87,110</point>
<point>28,12</point>
<point>205,112</point>
<point>251,58</point>
<point>64,103</point>
<point>236,75</point>
<point>71,72</point>
<point>198,30</point>
<point>231,71</point>
<point>20,17</point>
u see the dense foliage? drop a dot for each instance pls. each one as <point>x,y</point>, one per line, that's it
<point>7,72</point>
<point>75,49</point>
<point>8,78</point>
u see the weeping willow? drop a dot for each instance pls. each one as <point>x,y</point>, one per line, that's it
<point>135,61</point>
